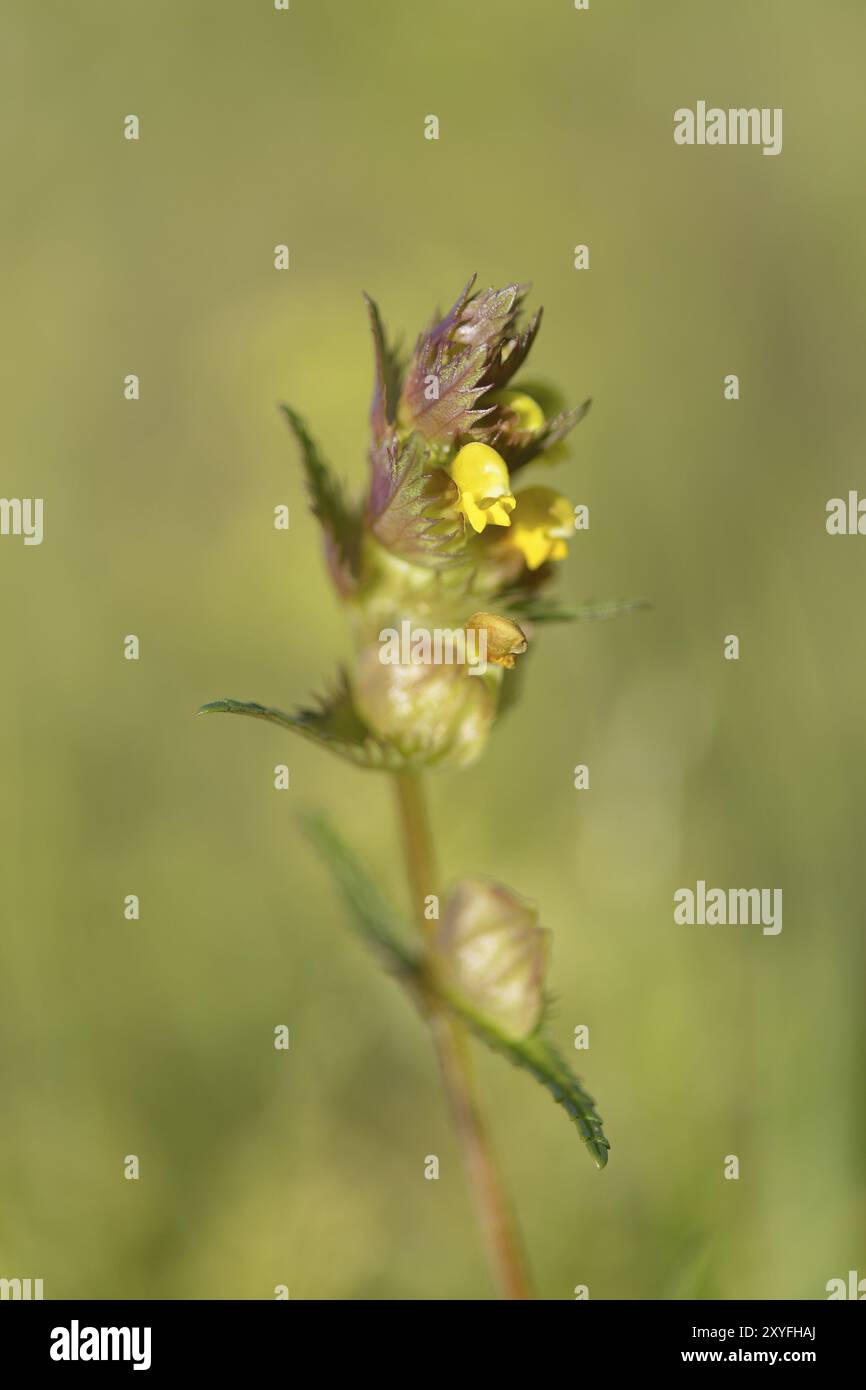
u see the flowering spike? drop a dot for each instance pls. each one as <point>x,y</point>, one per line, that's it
<point>442,542</point>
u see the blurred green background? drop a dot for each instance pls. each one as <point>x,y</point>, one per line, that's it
<point>155,1038</point>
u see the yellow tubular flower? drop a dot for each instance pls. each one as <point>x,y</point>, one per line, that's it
<point>543,521</point>
<point>482,480</point>
<point>529,414</point>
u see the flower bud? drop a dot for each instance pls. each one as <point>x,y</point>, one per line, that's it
<point>504,641</point>
<point>491,953</point>
<point>528,414</point>
<point>430,713</point>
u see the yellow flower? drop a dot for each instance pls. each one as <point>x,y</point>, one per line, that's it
<point>530,416</point>
<point>543,520</point>
<point>482,481</point>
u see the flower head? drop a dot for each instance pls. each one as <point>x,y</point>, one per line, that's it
<point>442,541</point>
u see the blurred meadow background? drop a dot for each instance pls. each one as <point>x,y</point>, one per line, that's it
<point>155,1037</point>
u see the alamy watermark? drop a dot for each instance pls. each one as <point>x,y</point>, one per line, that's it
<point>736,126</point>
<point>22,516</point>
<point>77,1343</point>
<point>733,907</point>
<point>438,646</point>
<point>854,1287</point>
<point>21,1289</point>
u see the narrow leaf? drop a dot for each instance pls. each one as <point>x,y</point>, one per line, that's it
<point>335,724</point>
<point>536,611</point>
<point>537,1055</point>
<point>377,922</point>
<point>386,390</point>
<point>511,354</point>
<point>340,522</point>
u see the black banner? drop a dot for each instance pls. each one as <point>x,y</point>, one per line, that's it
<point>156,1339</point>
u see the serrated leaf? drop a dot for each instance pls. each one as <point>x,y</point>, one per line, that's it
<point>489,317</point>
<point>340,522</point>
<point>511,355</point>
<point>381,927</point>
<point>458,352</point>
<point>408,495</point>
<point>386,391</point>
<point>537,1055</point>
<point>453,411</point>
<point>335,725</point>
<point>442,329</point>
<point>540,1058</point>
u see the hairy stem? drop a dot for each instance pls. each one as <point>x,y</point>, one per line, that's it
<point>501,1243</point>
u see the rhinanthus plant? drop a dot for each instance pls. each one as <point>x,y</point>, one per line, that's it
<point>443,570</point>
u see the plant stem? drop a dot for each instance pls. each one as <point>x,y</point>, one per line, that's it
<point>501,1243</point>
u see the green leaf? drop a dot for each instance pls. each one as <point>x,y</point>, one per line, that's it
<point>386,390</point>
<point>385,929</point>
<point>509,357</point>
<point>537,1055</point>
<point>335,724</point>
<point>377,922</point>
<point>540,612</point>
<point>340,522</point>
<point>408,495</point>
